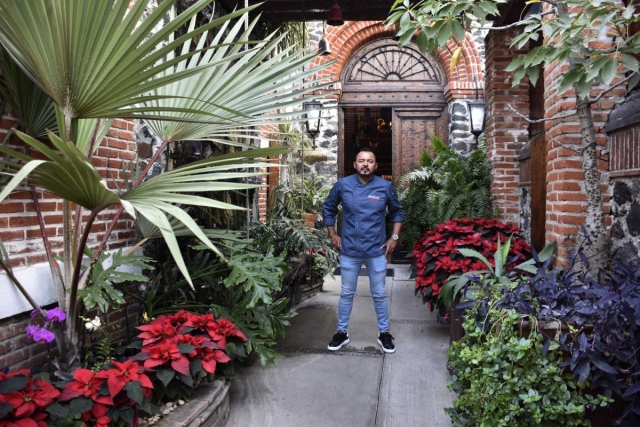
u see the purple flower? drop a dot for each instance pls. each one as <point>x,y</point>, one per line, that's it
<point>42,335</point>
<point>56,315</point>
<point>31,330</point>
<point>34,313</point>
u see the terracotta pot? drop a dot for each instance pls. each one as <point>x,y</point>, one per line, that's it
<point>549,329</point>
<point>310,219</point>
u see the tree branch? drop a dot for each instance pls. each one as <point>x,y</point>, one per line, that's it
<point>578,150</point>
<point>522,116</point>
<point>592,101</point>
<point>520,23</point>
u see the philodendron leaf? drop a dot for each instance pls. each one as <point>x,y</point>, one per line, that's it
<point>257,274</point>
<point>100,290</point>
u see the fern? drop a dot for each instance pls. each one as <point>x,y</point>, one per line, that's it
<point>446,186</point>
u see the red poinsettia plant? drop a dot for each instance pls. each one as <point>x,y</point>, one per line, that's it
<point>184,347</point>
<point>23,399</point>
<point>436,255</point>
<point>177,352</point>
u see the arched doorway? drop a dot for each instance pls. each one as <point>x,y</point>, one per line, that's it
<point>392,101</point>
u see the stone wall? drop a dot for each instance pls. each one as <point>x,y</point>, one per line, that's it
<point>625,227</point>
<point>624,169</point>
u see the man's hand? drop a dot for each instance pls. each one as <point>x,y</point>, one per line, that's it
<point>336,241</point>
<point>390,245</point>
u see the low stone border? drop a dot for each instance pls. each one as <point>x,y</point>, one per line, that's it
<point>208,407</point>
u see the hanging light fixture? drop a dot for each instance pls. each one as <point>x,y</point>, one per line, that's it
<point>335,15</point>
<point>323,45</point>
<point>313,116</point>
<point>477,113</point>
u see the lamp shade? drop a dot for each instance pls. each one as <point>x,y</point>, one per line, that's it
<point>313,115</point>
<point>335,15</point>
<point>323,47</point>
<point>477,116</point>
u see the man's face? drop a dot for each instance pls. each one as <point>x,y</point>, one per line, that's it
<point>365,164</point>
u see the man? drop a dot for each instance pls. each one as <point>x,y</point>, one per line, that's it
<point>365,199</point>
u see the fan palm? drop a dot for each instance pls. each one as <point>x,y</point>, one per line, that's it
<point>97,59</point>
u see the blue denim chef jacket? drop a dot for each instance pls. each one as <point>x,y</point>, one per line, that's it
<point>364,209</point>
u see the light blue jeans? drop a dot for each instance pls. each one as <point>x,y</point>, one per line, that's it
<point>377,271</point>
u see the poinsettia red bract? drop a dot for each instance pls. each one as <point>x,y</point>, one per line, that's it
<point>436,255</point>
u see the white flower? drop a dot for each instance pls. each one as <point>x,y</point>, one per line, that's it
<point>94,324</point>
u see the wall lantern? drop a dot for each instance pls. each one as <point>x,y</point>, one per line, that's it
<point>335,15</point>
<point>477,116</point>
<point>313,115</point>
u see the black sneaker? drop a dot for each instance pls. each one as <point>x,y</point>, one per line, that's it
<point>386,342</point>
<point>338,340</point>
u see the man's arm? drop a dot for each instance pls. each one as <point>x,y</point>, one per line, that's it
<point>329,212</point>
<point>336,241</point>
<point>396,215</point>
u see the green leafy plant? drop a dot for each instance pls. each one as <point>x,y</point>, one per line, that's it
<point>503,378</point>
<point>100,290</point>
<point>308,194</point>
<point>245,289</point>
<point>447,186</point>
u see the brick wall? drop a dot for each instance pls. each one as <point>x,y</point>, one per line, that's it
<point>348,38</point>
<point>506,132</point>
<point>19,229</point>
<point>566,198</point>
<point>17,351</point>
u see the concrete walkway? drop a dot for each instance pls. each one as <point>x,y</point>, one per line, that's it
<point>358,386</point>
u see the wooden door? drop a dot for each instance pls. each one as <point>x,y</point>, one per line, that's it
<point>412,132</point>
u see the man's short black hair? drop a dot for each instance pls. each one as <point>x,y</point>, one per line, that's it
<point>366,150</point>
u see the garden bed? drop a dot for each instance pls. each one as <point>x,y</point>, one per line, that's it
<point>208,407</point>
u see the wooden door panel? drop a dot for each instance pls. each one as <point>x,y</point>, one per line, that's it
<point>412,130</point>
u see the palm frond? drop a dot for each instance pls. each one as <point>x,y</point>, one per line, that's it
<point>32,107</point>
<point>94,58</point>
<point>255,89</point>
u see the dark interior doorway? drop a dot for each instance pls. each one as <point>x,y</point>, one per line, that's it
<point>368,127</point>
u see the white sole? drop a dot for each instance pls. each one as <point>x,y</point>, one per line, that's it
<point>345,342</point>
<point>386,350</point>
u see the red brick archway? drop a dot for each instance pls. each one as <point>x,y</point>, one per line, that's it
<point>345,40</point>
